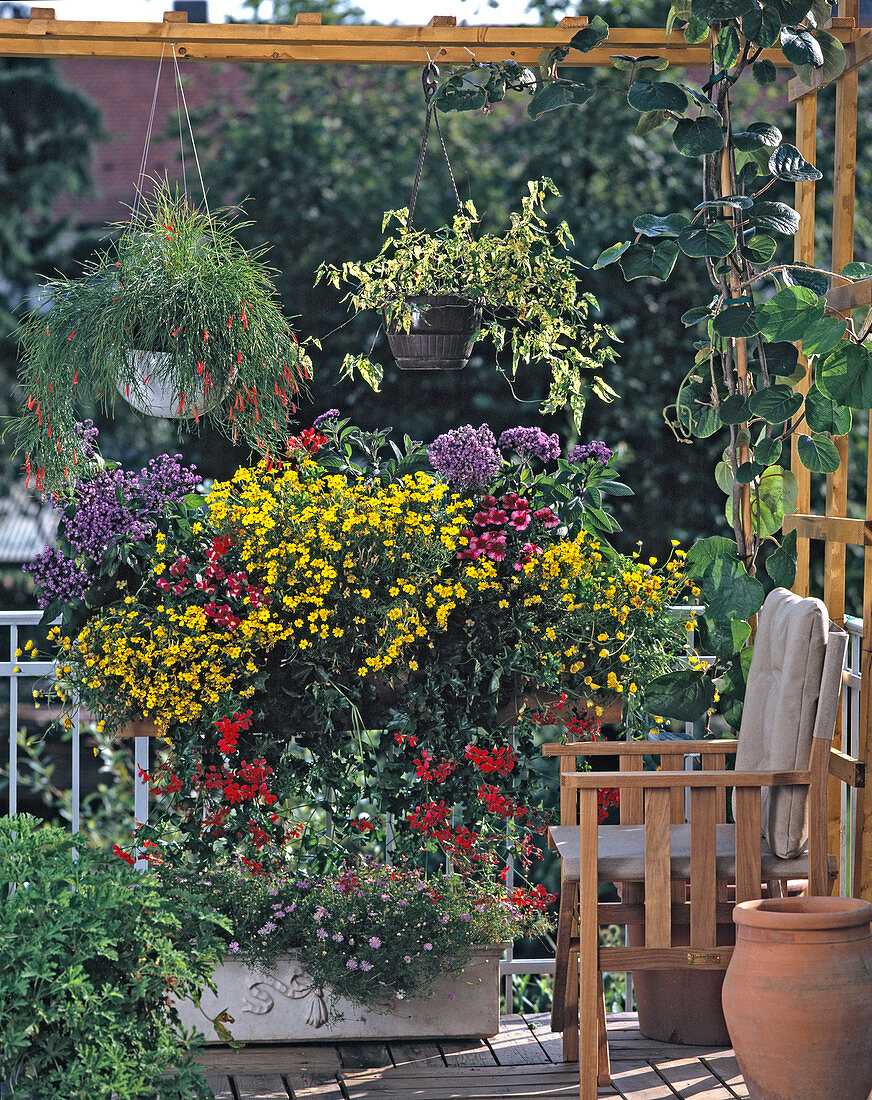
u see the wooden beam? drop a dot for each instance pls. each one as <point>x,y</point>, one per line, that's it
<point>308,43</point>
<point>443,21</point>
<point>855,532</point>
<point>175,17</point>
<point>307,19</point>
<point>856,54</point>
<point>42,13</point>
<point>842,299</point>
<point>847,769</point>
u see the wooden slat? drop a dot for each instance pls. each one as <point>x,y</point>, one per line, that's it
<point>847,769</point>
<point>725,1067</point>
<point>856,54</point>
<point>658,849</point>
<point>657,780</point>
<point>262,1086</point>
<point>611,912</point>
<point>855,532</point>
<point>703,878</point>
<point>718,764</point>
<point>302,1059</point>
<point>664,958</point>
<point>219,1085</point>
<point>466,1052</point>
<point>842,299</point>
<point>588,964</point>
<point>748,823</point>
<point>322,1090</point>
<point>363,1055</point>
<point>642,748</point>
<point>641,1083</point>
<point>515,1044</point>
<point>631,805</point>
<point>416,1054</point>
<point>689,1077</point>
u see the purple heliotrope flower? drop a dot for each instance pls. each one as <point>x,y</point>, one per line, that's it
<point>465,456</point>
<point>331,414</point>
<point>531,443</point>
<point>595,451</point>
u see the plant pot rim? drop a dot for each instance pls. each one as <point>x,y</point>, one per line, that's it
<point>803,913</point>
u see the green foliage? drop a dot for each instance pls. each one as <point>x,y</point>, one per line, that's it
<point>525,273</point>
<point>177,282</point>
<point>90,955</point>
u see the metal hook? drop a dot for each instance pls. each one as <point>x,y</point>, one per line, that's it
<point>429,81</point>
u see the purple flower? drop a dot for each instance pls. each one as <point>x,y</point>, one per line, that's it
<point>331,414</point>
<point>374,941</point>
<point>428,946</point>
<point>407,958</point>
<point>531,443</point>
<point>351,964</point>
<point>465,456</point>
<point>322,934</point>
<point>595,451</point>
<point>366,965</point>
<point>234,946</point>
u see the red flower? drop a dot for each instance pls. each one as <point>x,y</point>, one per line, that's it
<point>122,854</point>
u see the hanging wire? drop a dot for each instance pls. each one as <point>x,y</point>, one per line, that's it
<point>430,83</point>
<point>179,115</point>
<point>137,202</point>
<point>181,88</point>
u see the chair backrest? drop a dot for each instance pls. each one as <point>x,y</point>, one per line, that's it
<point>786,706</point>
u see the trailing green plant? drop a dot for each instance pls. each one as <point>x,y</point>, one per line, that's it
<point>175,281</point>
<point>92,957</point>
<point>524,280</point>
<point>760,309</point>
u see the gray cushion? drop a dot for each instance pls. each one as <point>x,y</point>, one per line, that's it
<point>780,707</point>
<point>622,854</point>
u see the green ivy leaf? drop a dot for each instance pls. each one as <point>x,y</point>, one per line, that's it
<point>801,274</point>
<point>748,472</point>
<point>776,217</point>
<point>758,135</point>
<point>559,93</point>
<point>781,358</point>
<point>610,255</point>
<point>768,451</point>
<point>760,248</point>
<point>801,47</point>
<point>857,270</point>
<point>662,95</point>
<point>775,404</point>
<point>846,375</point>
<point>730,592</point>
<point>780,564</point>
<point>818,453</point>
<point>734,409</point>
<point>697,30</point>
<point>823,335</point>
<point>822,414</point>
<point>762,26</point>
<point>727,48</point>
<point>740,320</point>
<point>697,137</point>
<point>649,121</point>
<point>649,260</point>
<point>834,60</point>
<point>764,72</point>
<point>695,314</point>
<point>652,225</point>
<point>705,551</point>
<point>736,202</point>
<point>774,499</point>
<point>715,239</point>
<point>787,163</point>
<point>684,696</point>
<point>716,11</point>
<point>589,37</point>
<point>789,313</point>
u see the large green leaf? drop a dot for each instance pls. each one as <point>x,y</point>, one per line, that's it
<point>834,60</point>
<point>739,320</point>
<point>697,137</point>
<point>818,453</point>
<point>734,409</point>
<point>661,95</point>
<point>781,359</point>
<point>823,414</point>
<point>697,30</point>
<point>704,551</point>
<point>695,411</point>
<point>730,593</point>
<point>649,122</point>
<point>775,404</point>
<point>715,239</point>
<point>695,314</point>
<point>652,225</point>
<point>846,375</point>
<point>787,163</point>
<point>762,26</point>
<point>767,451</point>
<point>611,254</point>
<point>722,637</point>
<point>780,563</point>
<point>801,47</point>
<point>800,274</point>
<point>684,696</point>
<point>775,217</point>
<point>735,202</point>
<point>857,270</point>
<point>792,12</point>
<point>716,11</point>
<point>759,135</point>
<point>560,93</point>
<point>764,72</point>
<point>596,31</point>
<point>789,313</point>
<point>760,248</point>
<point>727,48</point>
<point>823,335</point>
<point>775,497</point>
<point>655,259</point>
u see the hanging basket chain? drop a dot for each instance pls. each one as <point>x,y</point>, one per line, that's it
<point>430,82</point>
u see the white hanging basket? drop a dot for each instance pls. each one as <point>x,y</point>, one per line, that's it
<point>155,396</point>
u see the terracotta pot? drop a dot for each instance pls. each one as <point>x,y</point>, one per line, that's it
<point>681,1006</point>
<point>798,998</point>
<point>440,337</point>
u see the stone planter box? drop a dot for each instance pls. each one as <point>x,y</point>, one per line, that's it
<point>281,1006</point>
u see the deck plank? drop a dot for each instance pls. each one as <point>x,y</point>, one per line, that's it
<point>321,1090</point>
<point>415,1054</point>
<point>516,1045</point>
<point>466,1052</point>
<point>640,1082</point>
<point>363,1055</point>
<point>464,1083</point>
<point>260,1086</point>
<point>691,1077</point>
<point>220,1086</point>
<point>724,1066</point>
<point>272,1058</point>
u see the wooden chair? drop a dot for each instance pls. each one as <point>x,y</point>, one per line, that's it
<point>780,830</point>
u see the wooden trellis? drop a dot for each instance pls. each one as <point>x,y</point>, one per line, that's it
<point>308,42</point>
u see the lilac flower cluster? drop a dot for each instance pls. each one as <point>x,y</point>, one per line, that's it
<point>89,435</point>
<point>531,443</point>
<point>465,456</point>
<point>331,414</point>
<point>58,578</point>
<point>595,451</point>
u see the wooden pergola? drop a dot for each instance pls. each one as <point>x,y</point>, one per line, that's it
<point>308,42</point>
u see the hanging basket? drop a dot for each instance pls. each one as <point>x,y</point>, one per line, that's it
<point>153,395</point>
<point>441,334</point>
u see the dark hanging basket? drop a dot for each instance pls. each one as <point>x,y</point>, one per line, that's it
<point>441,334</point>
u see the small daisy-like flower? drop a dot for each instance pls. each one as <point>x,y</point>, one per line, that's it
<point>374,941</point>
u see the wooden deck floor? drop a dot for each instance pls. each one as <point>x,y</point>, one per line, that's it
<point>522,1061</point>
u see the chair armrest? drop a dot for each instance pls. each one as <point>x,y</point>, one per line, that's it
<point>596,780</point>
<point>848,769</point>
<point>641,748</point>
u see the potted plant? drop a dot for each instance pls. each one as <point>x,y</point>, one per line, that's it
<point>90,952</point>
<point>177,317</point>
<point>517,289</point>
<point>368,951</point>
